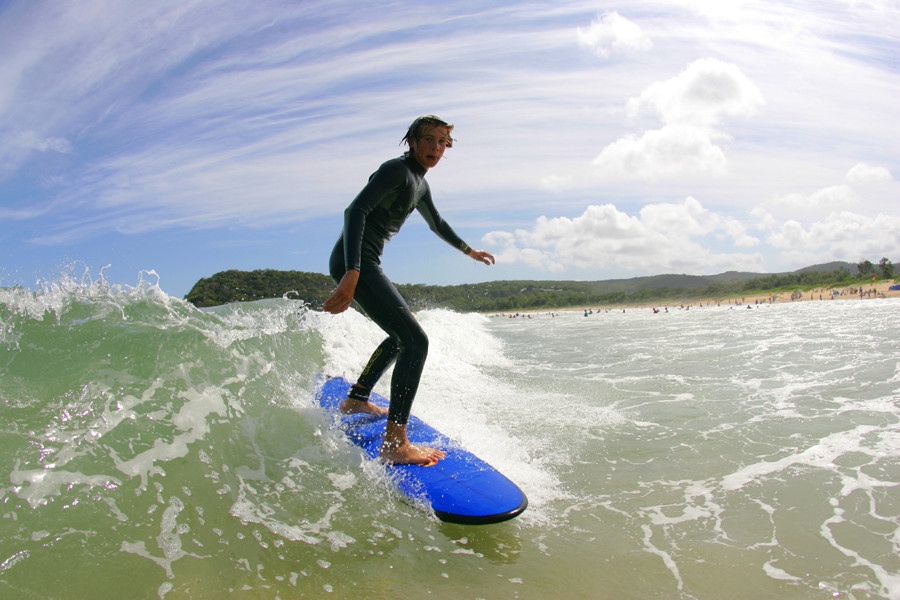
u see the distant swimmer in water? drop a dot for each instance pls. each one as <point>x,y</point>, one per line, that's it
<point>396,189</point>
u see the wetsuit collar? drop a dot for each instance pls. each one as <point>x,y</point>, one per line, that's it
<point>414,165</point>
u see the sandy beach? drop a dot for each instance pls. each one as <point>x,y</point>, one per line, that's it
<point>871,290</point>
<point>879,289</point>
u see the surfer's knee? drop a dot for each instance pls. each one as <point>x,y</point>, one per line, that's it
<point>420,342</point>
<point>412,339</point>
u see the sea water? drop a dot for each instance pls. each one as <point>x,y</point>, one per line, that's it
<point>155,450</point>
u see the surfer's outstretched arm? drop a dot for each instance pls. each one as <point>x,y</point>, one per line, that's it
<point>481,256</point>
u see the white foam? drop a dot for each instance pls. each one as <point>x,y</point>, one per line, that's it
<point>36,485</point>
<point>776,573</point>
<point>822,454</point>
<point>456,394</point>
<point>191,419</point>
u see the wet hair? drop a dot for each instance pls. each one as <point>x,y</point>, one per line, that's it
<point>421,125</point>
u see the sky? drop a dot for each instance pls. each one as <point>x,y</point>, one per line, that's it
<point>166,141</point>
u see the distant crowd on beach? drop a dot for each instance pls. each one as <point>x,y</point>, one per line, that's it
<point>881,289</point>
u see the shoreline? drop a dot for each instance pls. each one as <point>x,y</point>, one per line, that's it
<point>869,291</point>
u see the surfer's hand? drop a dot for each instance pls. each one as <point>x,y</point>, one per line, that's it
<point>482,256</point>
<point>342,297</point>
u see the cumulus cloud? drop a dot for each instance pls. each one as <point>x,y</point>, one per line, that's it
<point>612,33</point>
<point>661,153</point>
<point>823,201</point>
<point>702,94</point>
<point>662,237</point>
<point>863,173</point>
<point>510,252</point>
<point>843,235</point>
<point>691,106</point>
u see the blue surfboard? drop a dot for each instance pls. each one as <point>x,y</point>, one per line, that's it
<point>461,488</point>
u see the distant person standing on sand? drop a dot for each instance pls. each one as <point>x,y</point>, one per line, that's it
<point>374,216</point>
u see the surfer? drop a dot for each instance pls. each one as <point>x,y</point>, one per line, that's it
<point>375,215</point>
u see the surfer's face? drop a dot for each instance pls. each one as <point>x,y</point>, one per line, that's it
<point>429,148</point>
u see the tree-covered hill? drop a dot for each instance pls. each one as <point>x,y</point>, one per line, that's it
<point>245,286</point>
<point>314,288</point>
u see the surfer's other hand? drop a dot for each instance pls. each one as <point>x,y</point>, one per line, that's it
<point>342,297</point>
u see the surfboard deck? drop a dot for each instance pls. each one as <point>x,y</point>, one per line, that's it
<point>461,488</point>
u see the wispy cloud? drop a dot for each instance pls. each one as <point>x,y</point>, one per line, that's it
<point>688,135</point>
<point>30,141</point>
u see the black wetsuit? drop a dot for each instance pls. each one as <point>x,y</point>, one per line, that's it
<point>375,215</point>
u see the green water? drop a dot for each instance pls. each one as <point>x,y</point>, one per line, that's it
<point>154,450</point>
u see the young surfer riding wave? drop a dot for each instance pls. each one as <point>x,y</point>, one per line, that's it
<point>396,189</point>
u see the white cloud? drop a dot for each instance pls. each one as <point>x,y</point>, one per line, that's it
<point>32,141</point>
<point>612,33</point>
<point>14,214</point>
<point>839,236</point>
<point>661,153</point>
<point>692,219</point>
<point>820,202</point>
<point>509,252</point>
<point>691,106</point>
<point>662,238</point>
<point>702,94</point>
<point>227,115</point>
<point>863,173</point>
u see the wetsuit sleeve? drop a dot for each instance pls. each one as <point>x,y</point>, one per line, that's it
<point>387,178</point>
<point>440,226</point>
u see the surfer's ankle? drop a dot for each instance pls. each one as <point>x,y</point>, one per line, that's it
<point>396,448</point>
<point>359,392</point>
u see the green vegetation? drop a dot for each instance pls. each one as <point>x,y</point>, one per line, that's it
<point>246,286</point>
<point>885,269</point>
<point>500,296</point>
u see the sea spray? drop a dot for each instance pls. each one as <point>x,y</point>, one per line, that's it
<point>163,441</point>
<point>156,450</point>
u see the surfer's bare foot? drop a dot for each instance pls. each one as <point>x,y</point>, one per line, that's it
<point>410,454</point>
<point>351,407</point>
<point>397,450</point>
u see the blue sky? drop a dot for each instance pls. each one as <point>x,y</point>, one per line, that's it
<point>596,140</point>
